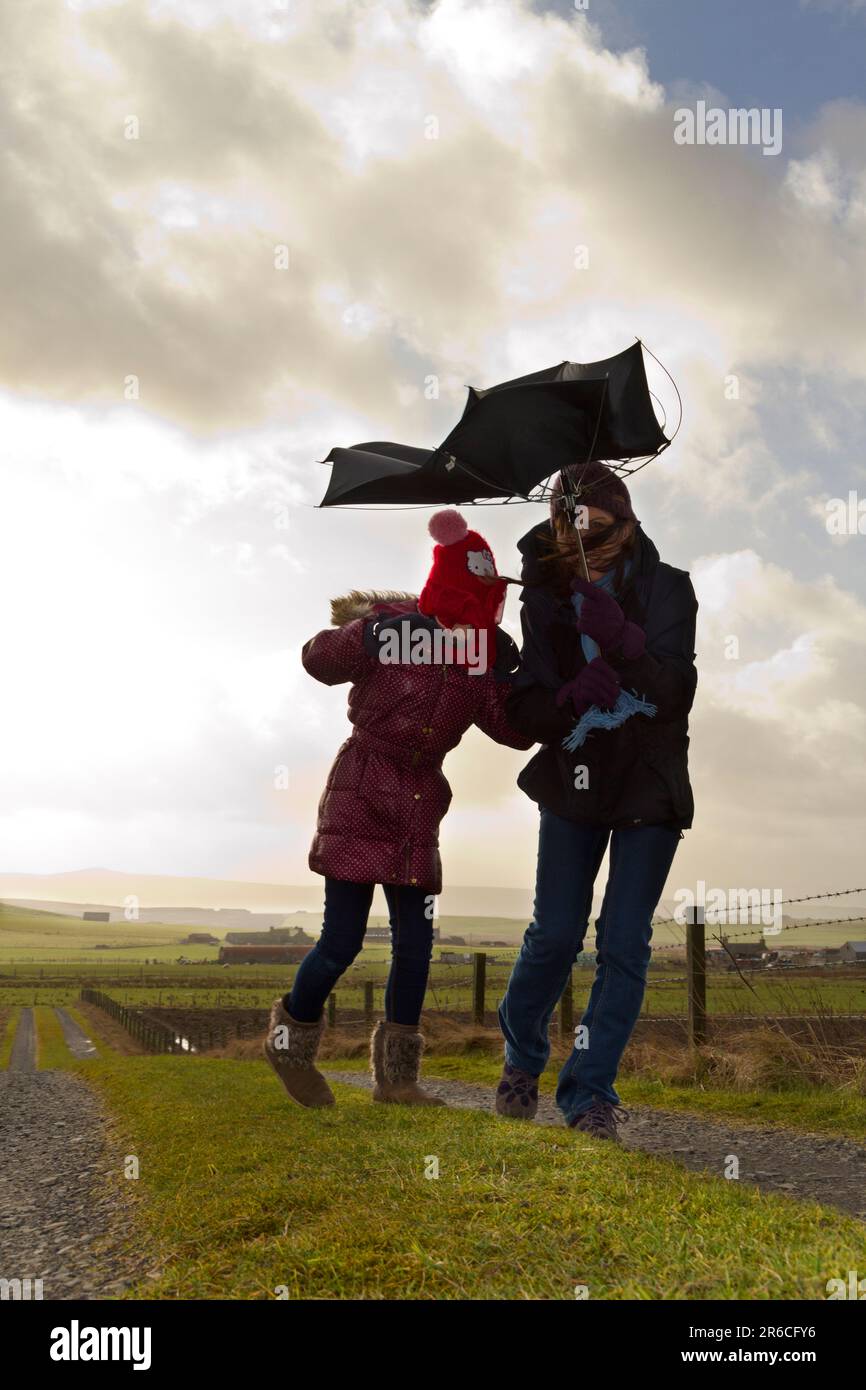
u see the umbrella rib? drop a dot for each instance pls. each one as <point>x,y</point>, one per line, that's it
<point>679,398</point>
<point>487,482</point>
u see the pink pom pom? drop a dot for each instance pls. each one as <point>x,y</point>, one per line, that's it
<point>447,527</point>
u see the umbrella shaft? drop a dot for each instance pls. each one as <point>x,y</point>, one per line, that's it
<point>584,567</point>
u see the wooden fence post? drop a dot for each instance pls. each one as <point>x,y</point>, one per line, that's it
<point>479,979</point>
<point>332,1010</point>
<point>696,972</point>
<point>566,1008</point>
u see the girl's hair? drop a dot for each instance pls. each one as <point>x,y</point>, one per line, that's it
<point>561,564</point>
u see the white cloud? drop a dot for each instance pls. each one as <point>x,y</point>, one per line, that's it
<point>319,142</point>
<point>815,183</point>
<point>797,662</point>
<point>160,605</point>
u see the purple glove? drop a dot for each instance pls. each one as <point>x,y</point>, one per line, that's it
<point>596,684</point>
<point>633,641</point>
<point>602,619</point>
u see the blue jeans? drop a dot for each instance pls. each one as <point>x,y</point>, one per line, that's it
<point>569,858</point>
<point>347,907</point>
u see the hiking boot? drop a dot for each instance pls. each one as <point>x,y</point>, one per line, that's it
<point>395,1061</point>
<point>517,1094</point>
<point>600,1120</point>
<point>291,1049</point>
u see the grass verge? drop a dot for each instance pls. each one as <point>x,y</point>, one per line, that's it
<point>247,1196</point>
<point>807,1109</point>
<point>51,1049</point>
<point>8,1028</point>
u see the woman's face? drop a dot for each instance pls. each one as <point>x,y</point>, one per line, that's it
<point>602,549</point>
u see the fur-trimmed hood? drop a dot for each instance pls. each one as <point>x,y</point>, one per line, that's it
<point>393,605</point>
<point>360,603</point>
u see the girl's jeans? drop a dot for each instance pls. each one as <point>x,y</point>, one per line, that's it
<point>569,858</point>
<point>347,907</point>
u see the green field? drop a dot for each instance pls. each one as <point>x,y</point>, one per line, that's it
<point>38,938</point>
<point>27,934</point>
<point>44,960</point>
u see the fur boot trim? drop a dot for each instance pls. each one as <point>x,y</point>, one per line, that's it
<point>395,1058</point>
<point>291,1049</point>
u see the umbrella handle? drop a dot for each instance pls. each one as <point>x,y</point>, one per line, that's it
<point>584,567</point>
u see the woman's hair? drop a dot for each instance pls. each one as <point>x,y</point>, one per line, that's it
<point>561,564</point>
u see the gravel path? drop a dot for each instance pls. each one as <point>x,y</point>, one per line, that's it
<point>75,1037</point>
<point>66,1212</point>
<point>23,1056</point>
<point>813,1167</point>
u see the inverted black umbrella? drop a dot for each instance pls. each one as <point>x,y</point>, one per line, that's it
<point>511,438</point>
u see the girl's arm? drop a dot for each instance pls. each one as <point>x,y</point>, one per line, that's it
<point>338,654</point>
<point>531,702</point>
<point>492,718</point>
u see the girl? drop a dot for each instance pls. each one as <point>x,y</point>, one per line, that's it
<point>421,671</point>
<point>608,668</point>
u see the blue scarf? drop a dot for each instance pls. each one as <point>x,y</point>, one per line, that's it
<point>627,703</point>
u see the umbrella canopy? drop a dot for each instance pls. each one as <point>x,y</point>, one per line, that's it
<point>511,438</point>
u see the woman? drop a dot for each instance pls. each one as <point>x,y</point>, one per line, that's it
<point>413,695</point>
<point>608,668</point>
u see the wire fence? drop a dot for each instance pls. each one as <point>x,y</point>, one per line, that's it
<point>762,983</point>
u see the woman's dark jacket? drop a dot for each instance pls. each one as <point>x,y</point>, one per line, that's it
<point>636,774</point>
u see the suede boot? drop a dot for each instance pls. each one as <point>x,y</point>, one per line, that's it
<point>291,1049</point>
<point>395,1061</point>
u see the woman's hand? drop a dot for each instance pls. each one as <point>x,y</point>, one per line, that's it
<point>602,619</point>
<point>596,684</point>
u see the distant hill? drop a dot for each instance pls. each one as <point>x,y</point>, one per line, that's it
<point>226,904</point>
<point>172,894</point>
<point>227,918</point>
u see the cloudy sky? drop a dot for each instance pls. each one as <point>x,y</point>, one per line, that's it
<point>171,375</point>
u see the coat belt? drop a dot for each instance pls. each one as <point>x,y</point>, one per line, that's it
<point>397,753</point>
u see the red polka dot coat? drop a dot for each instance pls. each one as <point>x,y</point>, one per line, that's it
<point>386,794</point>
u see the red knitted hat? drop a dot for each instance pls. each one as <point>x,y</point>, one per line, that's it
<point>463,585</point>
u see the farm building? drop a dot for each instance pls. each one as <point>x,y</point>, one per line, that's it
<point>853,953</point>
<point>274,936</point>
<point>200,938</point>
<point>262,955</point>
<point>96,916</point>
<point>750,954</point>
